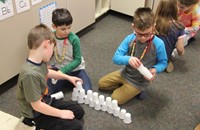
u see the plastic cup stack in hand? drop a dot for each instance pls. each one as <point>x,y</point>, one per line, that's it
<point>144,71</point>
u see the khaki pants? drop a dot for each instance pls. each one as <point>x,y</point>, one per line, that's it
<point>198,127</point>
<point>123,91</point>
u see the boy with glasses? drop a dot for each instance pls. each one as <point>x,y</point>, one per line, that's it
<point>140,47</point>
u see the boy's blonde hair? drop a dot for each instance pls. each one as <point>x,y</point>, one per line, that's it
<point>38,34</point>
<point>188,2</point>
<point>166,14</point>
<point>143,18</point>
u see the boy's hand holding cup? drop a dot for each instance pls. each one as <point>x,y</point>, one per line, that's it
<point>144,71</point>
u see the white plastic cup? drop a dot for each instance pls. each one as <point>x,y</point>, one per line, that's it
<point>97,106</point>
<point>144,71</point>
<point>75,92</point>
<point>54,81</point>
<point>80,100</point>
<point>108,101</point>
<point>89,94</point>
<point>95,97</point>
<point>91,103</point>
<point>104,107</point>
<point>58,95</point>
<point>82,93</point>
<point>74,98</point>
<point>79,85</point>
<point>101,99</point>
<point>114,104</point>
<point>127,118</point>
<point>110,110</point>
<point>86,100</point>
<point>116,112</point>
<point>122,114</point>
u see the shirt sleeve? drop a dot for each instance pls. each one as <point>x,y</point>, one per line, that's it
<point>31,86</point>
<point>120,57</point>
<point>75,41</point>
<point>161,56</point>
<point>196,16</point>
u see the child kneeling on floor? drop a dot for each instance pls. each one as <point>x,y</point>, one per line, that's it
<point>140,47</point>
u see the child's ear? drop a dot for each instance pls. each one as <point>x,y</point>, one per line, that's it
<point>133,26</point>
<point>46,43</point>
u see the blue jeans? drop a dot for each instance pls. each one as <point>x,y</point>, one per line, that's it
<point>62,85</point>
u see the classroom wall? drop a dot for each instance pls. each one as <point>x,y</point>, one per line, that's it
<point>13,34</point>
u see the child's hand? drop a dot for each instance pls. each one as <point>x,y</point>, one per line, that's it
<point>153,72</point>
<point>134,62</point>
<point>74,79</point>
<point>66,114</point>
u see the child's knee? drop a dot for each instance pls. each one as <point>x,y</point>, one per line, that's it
<point>101,83</point>
<point>119,98</point>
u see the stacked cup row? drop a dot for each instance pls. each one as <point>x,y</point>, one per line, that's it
<point>99,102</point>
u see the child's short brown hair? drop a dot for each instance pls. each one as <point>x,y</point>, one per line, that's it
<point>38,34</point>
<point>143,18</point>
<point>188,2</point>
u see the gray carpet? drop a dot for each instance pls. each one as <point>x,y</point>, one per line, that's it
<point>173,101</point>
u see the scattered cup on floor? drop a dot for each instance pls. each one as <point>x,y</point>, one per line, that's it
<point>58,95</point>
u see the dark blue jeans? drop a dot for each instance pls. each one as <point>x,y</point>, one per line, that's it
<point>62,85</point>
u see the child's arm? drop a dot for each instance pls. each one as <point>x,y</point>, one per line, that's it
<point>180,45</point>
<point>161,55</point>
<point>51,111</point>
<point>195,20</point>
<point>120,57</point>
<point>59,75</point>
<point>77,56</point>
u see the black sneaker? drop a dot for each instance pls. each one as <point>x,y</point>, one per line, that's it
<point>142,95</point>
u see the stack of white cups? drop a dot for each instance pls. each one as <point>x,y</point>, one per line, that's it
<point>78,93</point>
<point>99,102</point>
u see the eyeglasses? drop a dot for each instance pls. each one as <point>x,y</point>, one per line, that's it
<point>143,35</point>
